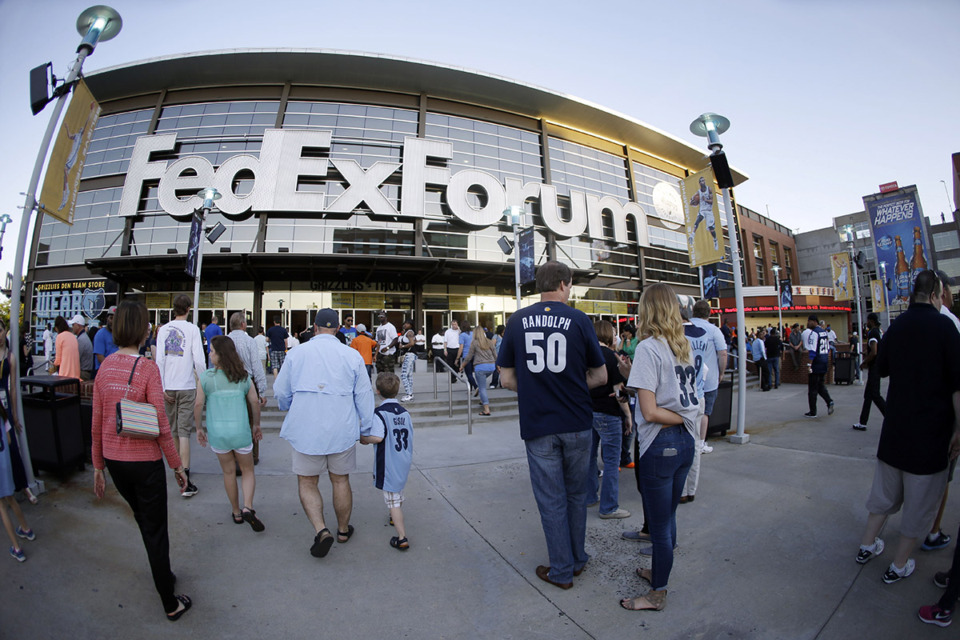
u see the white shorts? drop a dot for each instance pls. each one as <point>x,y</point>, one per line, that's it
<point>339,464</point>
<point>242,451</point>
<point>394,499</point>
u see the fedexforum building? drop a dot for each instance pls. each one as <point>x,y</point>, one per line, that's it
<point>361,182</point>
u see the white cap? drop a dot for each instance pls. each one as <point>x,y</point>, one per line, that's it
<point>77,319</point>
<point>361,328</point>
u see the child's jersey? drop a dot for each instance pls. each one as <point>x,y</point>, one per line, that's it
<point>392,457</point>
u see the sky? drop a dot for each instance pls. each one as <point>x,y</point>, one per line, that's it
<point>827,99</point>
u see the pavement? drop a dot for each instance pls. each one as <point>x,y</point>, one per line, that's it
<point>766,551</point>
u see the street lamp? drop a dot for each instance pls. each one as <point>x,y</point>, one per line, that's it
<point>776,276</point>
<point>886,302</point>
<point>710,126</point>
<point>846,235</point>
<point>514,214</point>
<point>4,221</point>
<point>947,192</point>
<point>209,195</point>
<point>98,23</point>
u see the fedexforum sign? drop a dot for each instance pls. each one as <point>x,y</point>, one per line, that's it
<point>282,165</point>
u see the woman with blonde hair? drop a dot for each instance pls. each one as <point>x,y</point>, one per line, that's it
<point>483,355</point>
<point>667,406</point>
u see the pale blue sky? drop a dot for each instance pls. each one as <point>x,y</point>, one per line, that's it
<point>827,98</point>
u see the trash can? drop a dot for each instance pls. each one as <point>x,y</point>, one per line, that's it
<point>51,416</point>
<point>722,409</point>
<point>843,372</point>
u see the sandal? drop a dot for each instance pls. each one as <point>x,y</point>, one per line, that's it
<point>322,543</point>
<point>32,498</point>
<point>185,601</point>
<point>645,574</point>
<point>650,601</point>
<point>400,544</point>
<point>249,515</point>
<point>342,536</point>
<point>485,413</point>
<point>237,518</point>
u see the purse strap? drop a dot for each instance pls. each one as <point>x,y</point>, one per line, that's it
<point>130,379</point>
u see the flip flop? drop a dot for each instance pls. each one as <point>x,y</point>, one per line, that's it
<point>321,544</point>
<point>185,601</point>
<point>343,537</point>
<point>250,516</point>
<point>237,518</point>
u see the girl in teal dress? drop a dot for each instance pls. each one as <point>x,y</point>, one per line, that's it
<point>6,494</point>
<point>230,400</point>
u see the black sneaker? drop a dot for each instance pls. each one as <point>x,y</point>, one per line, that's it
<point>939,541</point>
<point>942,579</point>
<point>810,414</point>
<point>190,490</point>
<point>830,409</point>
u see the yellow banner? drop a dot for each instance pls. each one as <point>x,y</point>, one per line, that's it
<point>342,300</point>
<point>702,217</point>
<point>879,299</point>
<point>59,192</point>
<point>841,276</point>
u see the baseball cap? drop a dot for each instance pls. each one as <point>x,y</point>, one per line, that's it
<point>944,278</point>
<point>77,319</point>
<point>381,314</point>
<point>112,311</point>
<point>327,318</point>
<point>362,328</point>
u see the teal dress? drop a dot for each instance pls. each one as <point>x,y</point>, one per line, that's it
<point>228,423</point>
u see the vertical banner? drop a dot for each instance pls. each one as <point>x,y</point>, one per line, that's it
<point>842,284</point>
<point>702,218</point>
<point>896,221</point>
<point>525,255</point>
<point>59,192</point>
<point>879,294</point>
<point>786,293</point>
<point>711,282</point>
<point>196,235</point>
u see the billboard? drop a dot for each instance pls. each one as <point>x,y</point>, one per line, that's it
<point>840,270</point>
<point>60,185</point>
<point>896,218</point>
<point>702,218</point>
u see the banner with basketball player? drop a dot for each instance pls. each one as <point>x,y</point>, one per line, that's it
<point>878,293</point>
<point>701,206</point>
<point>59,192</point>
<point>896,221</point>
<point>841,276</point>
<point>786,293</point>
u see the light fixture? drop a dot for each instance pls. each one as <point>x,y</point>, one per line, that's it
<point>209,195</point>
<point>710,126</point>
<point>98,24</point>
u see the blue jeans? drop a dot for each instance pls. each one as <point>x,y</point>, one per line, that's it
<point>558,474</point>
<point>481,378</point>
<point>774,364</point>
<point>661,473</point>
<point>608,431</point>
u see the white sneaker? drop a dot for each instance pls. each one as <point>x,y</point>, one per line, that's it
<point>619,513</point>
<point>406,398</point>
<point>705,448</point>
<point>896,575</point>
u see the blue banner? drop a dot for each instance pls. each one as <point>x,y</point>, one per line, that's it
<point>786,293</point>
<point>711,283</point>
<point>196,228</point>
<point>525,255</point>
<point>896,222</point>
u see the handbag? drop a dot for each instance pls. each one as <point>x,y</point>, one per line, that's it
<point>136,419</point>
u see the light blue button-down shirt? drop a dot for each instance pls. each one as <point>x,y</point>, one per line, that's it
<point>325,387</point>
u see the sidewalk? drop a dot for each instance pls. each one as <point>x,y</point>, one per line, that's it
<point>766,551</point>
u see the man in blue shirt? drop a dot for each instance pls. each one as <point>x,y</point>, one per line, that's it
<point>103,342</point>
<point>325,387</point>
<point>760,359</point>
<point>551,357</point>
<point>347,332</point>
<point>212,331</point>
<point>817,344</point>
<point>277,336</point>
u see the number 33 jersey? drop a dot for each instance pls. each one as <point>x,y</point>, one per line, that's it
<point>550,346</point>
<point>392,457</point>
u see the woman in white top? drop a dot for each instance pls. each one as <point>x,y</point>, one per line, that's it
<point>664,376</point>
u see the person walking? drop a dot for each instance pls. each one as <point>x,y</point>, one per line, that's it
<point>277,336</point>
<point>436,344</point>
<point>209,333</point>
<point>774,348</point>
<point>8,403</point>
<point>664,377</point>
<point>261,341</point>
<point>7,489</point>
<point>323,428</point>
<point>817,345</point>
<point>181,362</point>
<point>451,347</point>
<point>550,356</point>
<point>482,358</point>
<point>135,464</point>
<point>466,338</point>
<point>387,338</point>
<point>407,344</point>
<point>103,343</point>
<point>67,359</point>
<point>250,357</point>
<point>78,326</point>
<point>759,348</point>
<point>233,424</point>
<point>871,390</point>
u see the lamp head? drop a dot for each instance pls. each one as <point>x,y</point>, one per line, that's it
<point>513,214</point>
<point>846,233</point>
<point>97,24</point>
<point>209,195</point>
<point>710,126</point>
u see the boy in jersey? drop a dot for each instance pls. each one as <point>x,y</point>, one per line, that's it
<point>551,357</point>
<point>817,343</point>
<point>392,437</point>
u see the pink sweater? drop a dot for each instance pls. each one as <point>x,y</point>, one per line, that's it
<point>109,387</point>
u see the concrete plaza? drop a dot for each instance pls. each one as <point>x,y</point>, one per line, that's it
<point>766,551</point>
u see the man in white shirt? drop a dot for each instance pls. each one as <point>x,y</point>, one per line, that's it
<point>48,337</point>
<point>261,341</point>
<point>436,344</point>
<point>387,338</point>
<point>451,345</point>
<point>250,357</point>
<point>179,357</point>
<point>292,341</point>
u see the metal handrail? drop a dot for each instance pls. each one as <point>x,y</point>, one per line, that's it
<point>462,379</point>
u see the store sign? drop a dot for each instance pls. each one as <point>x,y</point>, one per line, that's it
<point>289,155</point>
<point>67,298</point>
<point>772,309</point>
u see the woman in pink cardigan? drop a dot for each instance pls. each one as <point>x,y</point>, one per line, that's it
<point>135,465</point>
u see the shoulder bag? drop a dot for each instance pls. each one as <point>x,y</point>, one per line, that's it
<point>136,419</point>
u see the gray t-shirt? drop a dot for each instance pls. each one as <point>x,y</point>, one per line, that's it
<point>656,369</point>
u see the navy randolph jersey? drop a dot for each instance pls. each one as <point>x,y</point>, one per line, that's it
<point>392,457</point>
<point>550,346</point>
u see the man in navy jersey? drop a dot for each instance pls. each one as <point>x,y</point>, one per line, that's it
<point>550,356</point>
<point>817,343</point>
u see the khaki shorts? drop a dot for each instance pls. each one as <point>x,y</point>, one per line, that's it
<point>180,412</point>
<point>918,495</point>
<point>393,499</point>
<point>340,464</point>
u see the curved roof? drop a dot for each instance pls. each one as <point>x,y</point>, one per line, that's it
<point>357,70</point>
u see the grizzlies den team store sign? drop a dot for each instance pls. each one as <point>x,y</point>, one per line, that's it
<point>68,298</point>
<point>287,156</point>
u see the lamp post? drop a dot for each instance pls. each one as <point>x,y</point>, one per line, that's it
<point>209,196</point>
<point>98,23</point>
<point>846,235</point>
<point>886,302</point>
<point>4,221</point>
<point>710,126</point>
<point>776,276</point>
<point>514,214</point>
<point>947,192</point>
